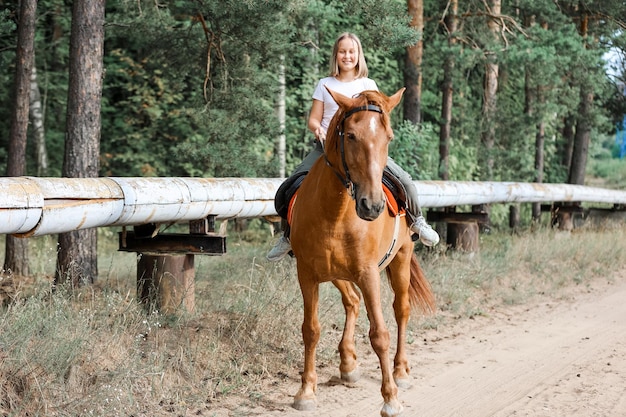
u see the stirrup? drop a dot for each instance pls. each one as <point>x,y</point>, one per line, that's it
<point>280,249</point>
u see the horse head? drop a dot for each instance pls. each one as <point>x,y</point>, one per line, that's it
<point>357,146</point>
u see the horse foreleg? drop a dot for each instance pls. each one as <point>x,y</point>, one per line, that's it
<point>305,398</point>
<point>401,368</point>
<point>399,277</point>
<point>379,338</point>
<point>351,300</point>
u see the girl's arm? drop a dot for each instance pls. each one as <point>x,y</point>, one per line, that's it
<point>315,120</point>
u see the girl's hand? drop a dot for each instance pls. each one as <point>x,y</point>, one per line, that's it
<point>320,134</point>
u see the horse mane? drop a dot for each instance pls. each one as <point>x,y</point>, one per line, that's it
<point>364,98</point>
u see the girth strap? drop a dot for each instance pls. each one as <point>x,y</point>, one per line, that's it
<point>394,240</point>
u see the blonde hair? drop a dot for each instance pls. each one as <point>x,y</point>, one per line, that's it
<point>361,66</point>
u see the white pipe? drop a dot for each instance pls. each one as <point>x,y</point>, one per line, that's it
<point>72,204</point>
<point>453,193</point>
<point>20,205</point>
<point>32,206</point>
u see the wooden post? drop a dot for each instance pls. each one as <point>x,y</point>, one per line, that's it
<point>482,209</point>
<point>463,236</point>
<point>166,282</point>
<point>563,215</point>
<point>165,266</point>
<point>462,228</point>
<point>564,220</point>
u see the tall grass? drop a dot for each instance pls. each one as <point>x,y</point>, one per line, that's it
<point>96,351</point>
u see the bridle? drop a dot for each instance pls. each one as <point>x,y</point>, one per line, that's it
<point>346,180</point>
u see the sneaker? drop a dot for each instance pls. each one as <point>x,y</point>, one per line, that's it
<point>428,236</point>
<point>280,250</point>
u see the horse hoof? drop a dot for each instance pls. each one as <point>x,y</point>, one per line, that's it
<point>304,405</point>
<point>403,383</point>
<point>391,409</point>
<point>351,377</point>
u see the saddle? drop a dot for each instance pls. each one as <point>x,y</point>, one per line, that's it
<point>288,190</point>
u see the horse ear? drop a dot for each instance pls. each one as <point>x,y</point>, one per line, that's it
<point>393,101</point>
<point>339,98</point>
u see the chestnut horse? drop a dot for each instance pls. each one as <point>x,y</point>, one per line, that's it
<point>342,231</point>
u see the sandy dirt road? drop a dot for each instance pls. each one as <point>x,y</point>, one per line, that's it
<point>551,359</point>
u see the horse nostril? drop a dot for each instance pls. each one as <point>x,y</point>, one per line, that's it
<point>362,204</point>
<point>369,210</point>
<point>377,209</point>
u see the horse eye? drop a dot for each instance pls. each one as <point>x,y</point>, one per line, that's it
<point>351,136</point>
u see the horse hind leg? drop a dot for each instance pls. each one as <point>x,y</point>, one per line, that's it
<point>351,300</point>
<point>411,290</point>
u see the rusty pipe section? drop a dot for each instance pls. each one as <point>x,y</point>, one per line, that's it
<point>32,206</point>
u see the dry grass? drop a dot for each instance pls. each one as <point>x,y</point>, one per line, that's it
<point>96,352</point>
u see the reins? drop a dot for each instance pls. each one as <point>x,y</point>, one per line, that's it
<point>346,180</point>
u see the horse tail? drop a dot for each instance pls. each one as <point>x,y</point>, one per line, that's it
<point>420,293</point>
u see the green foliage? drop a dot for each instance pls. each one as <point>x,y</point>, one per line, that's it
<point>191,87</point>
<point>611,170</point>
<point>385,23</point>
<point>604,163</point>
<point>415,148</point>
<point>142,111</point>
<point>194,100</point>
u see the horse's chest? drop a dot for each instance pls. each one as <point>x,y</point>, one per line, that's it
<point>338,259</point>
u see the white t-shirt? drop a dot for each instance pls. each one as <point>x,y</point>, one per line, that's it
<point>349,89</point>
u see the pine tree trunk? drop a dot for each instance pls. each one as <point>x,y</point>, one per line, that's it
<point>413,65</point>
<point>567,147</point>
<point>582,138</point>
<point>77,258</point>
<point>77,255</point>
<point>16,250</point>
<point>37,121</point>
<point>282,145</point>
<point>540,139</point>
<point>534,97</point>
<point>488,134</point>
<point>447,93</point>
